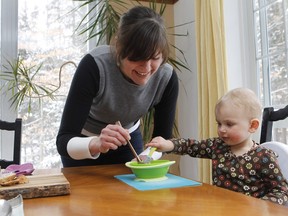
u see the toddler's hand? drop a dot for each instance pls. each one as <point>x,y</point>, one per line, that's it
<point>161,144</point>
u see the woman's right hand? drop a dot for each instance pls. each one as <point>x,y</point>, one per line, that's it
<point>111,137</point>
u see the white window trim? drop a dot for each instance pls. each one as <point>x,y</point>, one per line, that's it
<point>9,37</point>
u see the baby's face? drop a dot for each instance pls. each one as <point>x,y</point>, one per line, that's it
<point>233,124</point>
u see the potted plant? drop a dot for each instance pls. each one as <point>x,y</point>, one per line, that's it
<point>20,82</point>
<point>23,82</point>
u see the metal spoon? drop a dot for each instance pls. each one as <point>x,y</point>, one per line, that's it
<point>148,158</point>
<point>5,208</point>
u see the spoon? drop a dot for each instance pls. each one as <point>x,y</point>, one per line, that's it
<point>148,158</point>
<point>5,208</point>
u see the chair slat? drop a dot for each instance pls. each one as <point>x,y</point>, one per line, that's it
<point>17,128</point>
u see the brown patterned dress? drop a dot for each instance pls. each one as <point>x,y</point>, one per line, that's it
<point>255,173</point>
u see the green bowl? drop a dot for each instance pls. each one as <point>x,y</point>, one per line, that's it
<point>154,169</point>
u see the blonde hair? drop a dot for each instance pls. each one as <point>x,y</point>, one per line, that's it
<point>244,99</point>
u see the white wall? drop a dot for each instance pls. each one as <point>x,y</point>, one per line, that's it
<point>241,63</point>
<point>240,56</point>
<point>187,101</point>
<point>240,44</point>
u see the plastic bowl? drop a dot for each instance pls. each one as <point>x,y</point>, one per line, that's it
<point>154,169</point>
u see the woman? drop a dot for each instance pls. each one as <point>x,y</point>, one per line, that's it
<point>119,83</point>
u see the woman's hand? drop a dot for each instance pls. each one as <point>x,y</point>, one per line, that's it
<point>111,137</point>
<point>161,144</point>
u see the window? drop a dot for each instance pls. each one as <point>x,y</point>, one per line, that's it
<point>271,36</point>
<point>46,36</point>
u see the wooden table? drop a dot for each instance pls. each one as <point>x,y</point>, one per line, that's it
<point>95,191</point>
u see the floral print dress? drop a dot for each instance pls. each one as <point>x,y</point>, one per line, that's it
<point>255,173</point>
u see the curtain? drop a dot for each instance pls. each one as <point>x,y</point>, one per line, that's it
<point>211,70</point>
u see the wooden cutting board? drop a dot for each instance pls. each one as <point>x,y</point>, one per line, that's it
<point>38,186</point>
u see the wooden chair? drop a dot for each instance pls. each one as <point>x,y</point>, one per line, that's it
<point>17,128</point>
<point>269,116</point>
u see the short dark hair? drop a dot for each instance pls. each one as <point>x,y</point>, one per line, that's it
<point>141,35</point>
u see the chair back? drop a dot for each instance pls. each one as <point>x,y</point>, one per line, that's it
<point>281,150</point>
<point>269,116</point>
<point>17,128</point>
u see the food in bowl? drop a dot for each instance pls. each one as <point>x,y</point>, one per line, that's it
<point>154,169</point>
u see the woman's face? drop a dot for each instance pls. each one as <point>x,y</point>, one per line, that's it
<point>139,72</point>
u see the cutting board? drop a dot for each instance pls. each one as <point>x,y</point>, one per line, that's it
<point>38,186</point>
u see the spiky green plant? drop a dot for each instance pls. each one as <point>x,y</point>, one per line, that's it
<point>19,80</point>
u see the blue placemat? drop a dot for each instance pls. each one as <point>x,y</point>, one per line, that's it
<point>172,181</point>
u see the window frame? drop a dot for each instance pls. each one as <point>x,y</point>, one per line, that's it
<point>266,56</point>
<point>9,36</point>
